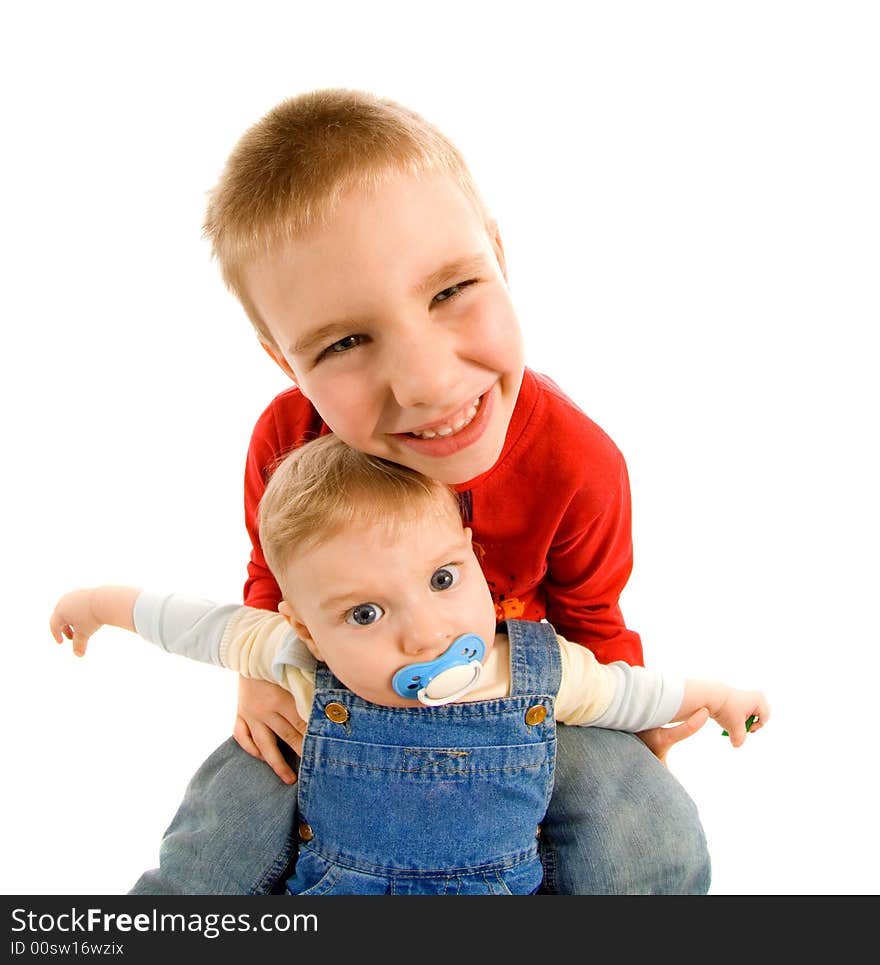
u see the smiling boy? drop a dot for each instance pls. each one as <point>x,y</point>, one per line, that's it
<point>352,233</point>
<point>361,311</point>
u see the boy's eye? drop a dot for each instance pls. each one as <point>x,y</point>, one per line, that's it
<point>452,291</point>
<point>364,614</point>
<point>343,345</point>
<point>446,577</point>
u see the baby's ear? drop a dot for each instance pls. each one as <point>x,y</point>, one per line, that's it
<point>279,360</point>
<point>299,628</point>
<point>479,552</point>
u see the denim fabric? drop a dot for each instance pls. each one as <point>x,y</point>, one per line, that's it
<point>430,800</point>
<point>231,834</point>
<point>618,823</point>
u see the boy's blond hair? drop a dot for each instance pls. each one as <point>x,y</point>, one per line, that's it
<point>289,170</point>
<point>323,487</point>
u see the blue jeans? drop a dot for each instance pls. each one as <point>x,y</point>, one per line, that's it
<point>618,823</point>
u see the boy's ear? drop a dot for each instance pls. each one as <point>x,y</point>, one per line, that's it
<point>280,361</point>
<point>299,628</point>
<point>498,247</point>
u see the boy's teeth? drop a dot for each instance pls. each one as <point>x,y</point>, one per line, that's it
<point>464,419</point>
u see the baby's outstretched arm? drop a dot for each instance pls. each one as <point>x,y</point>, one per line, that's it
<point>635,699</point>
<point>79,614</point>
<point>257,644</point>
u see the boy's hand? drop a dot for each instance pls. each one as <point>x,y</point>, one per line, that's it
<point>74,617</point>
<point>267,712</point>
<point>660,739</point>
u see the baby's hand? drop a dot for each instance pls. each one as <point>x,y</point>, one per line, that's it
<point>79,614</point>
<point>738,707</point>
<point>74,618</point>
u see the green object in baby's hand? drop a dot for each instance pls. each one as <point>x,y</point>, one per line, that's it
<point>749,723</point>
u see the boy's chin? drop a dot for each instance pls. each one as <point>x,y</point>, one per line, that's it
<point>459,472</point>
<point>455,469</point>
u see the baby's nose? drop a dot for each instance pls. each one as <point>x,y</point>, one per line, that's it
<point>422,637</point>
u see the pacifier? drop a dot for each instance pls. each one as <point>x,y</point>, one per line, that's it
<point>445,678</point>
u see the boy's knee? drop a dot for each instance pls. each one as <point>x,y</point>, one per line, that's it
<point>619,822</point>
<point>232,833</point>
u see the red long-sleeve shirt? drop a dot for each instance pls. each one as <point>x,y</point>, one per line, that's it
<point>552,517</point>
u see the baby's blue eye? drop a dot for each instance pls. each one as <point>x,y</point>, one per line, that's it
<point>364,614</point>
<point>446,577</point>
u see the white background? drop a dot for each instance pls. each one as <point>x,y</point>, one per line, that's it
<point>688,194</point>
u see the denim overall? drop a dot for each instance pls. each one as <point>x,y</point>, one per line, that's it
<point>430,800</point>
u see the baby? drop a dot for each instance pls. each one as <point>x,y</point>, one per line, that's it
<point>428,762</point>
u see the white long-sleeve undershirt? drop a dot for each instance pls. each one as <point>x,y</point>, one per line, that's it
<point>260,644</point>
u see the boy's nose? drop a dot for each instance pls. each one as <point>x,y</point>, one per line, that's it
<point>424,374</point>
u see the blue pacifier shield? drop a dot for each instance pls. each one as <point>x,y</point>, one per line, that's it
<point>445,678</point>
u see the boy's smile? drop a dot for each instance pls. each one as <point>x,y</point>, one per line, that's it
<point>457,432</point>
<point>395,321</point>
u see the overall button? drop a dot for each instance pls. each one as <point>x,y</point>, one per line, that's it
<point>336,712</point>
<point>305,832</point>
<point>535,714</point>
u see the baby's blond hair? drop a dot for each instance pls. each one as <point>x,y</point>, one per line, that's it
<point>325,486</point>
<point>289,170</point>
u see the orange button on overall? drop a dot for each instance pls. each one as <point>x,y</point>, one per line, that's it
<point>336,712</point>
<point>535,714</point>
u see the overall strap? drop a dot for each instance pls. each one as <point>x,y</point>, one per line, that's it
<point>535,666</point>
<point>325,679</point>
